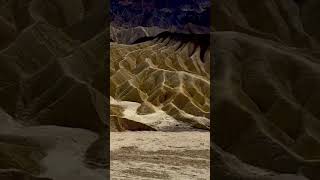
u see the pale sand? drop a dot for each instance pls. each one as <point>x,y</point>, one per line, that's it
<point>158,120</point>
<point>160,155</point>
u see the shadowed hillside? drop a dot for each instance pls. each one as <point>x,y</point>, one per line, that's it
<point>266,84</point>
<point>132,19</point>
<point>52,89</point>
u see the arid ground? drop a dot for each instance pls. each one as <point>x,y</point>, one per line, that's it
<point>160,155</point>
<point>160,116</point>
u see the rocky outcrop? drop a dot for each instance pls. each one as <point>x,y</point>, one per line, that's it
<point>145,108</point>
<point>133,35</point>
<point>120,123</point>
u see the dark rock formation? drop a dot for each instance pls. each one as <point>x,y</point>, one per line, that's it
<point>52,74</point>
<point>265,90</point>
<point>174,13</point>
<point>133,19</point>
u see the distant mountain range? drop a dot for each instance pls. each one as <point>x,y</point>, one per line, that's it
<point>187,16</point>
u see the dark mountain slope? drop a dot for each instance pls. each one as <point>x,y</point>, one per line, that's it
<point>52,88</point>
<point>265,92</point>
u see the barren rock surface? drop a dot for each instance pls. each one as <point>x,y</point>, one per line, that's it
<point>170,73</point>
<point>160,90</point>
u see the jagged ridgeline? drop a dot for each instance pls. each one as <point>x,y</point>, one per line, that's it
<point>160,13</point>
<point>134,19</point>
<point>168,73</point>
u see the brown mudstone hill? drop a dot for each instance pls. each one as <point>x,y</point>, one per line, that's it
<point>119,123</point>
<point>170,72</point>
<point>145,108</point>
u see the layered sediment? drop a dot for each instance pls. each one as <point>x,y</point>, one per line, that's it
<point>160,107</point>
<point>169,73</point>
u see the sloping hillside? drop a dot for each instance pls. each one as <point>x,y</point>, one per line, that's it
<point>266,84</point>
<point>52,89</point>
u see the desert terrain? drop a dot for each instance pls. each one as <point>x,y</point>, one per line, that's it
<point>160,108</point>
